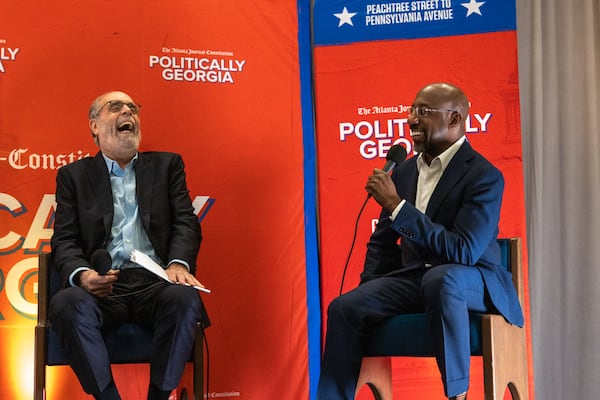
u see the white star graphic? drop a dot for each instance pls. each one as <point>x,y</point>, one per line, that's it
<point>473,7</point>
<point>345,17</point>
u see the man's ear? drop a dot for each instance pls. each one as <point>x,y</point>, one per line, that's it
<point>93,129</point>
<point>455,119</point>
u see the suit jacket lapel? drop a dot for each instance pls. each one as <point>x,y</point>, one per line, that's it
<point>408,181</point>
<point>457,168</point>
<point>144,176</point>
<point>100,183</point>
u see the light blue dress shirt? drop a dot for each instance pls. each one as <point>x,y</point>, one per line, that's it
<point>127,232</point>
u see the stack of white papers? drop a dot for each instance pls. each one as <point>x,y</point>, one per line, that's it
<point>146,262</point>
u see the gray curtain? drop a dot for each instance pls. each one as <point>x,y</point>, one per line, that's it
<point>559,67</point>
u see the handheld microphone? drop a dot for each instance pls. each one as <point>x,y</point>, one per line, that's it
<point>396,155</point>
<point>101,261</point>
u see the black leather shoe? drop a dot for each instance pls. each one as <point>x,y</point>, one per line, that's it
<point>462,396</point>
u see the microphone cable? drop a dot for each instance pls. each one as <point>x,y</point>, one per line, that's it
<point>396,155</point>
<point>353,242</point>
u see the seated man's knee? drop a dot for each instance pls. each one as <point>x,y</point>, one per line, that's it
<point>439,283</point>
<point>343,307</point>
<point>182,299</point>
<point>71,303</point>
<point>72,298</point>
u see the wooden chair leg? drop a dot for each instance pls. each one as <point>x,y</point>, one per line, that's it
<point>376,372</point>
<point>39,373</point>
<point>40,332</point>
<point>198,358</point>
<point>504,359</point>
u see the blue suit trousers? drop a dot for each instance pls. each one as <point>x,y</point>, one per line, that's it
<point>446,293</point>
<point>169,311</point>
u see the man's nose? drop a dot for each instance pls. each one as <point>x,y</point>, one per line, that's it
<point>412,118</point>
<point>126,109</point>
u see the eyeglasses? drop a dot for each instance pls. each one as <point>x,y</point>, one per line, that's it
<point>423,112</point>
<point>115,106</point>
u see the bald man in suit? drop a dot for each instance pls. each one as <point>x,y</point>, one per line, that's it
<point>121,200</point>
<point>434,250</point>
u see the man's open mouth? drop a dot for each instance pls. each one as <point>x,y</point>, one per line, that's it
<point>125,126</point>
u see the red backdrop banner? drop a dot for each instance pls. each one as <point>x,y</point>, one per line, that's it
<point>364,86</point>
<point>219,83</point>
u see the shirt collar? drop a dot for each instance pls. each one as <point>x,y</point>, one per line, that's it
<point>445,157</point>
<point>113,166</point>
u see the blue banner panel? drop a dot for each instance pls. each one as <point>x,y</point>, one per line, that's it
<point>348,21</point>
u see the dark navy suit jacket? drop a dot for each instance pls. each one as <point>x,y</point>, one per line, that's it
<point>460,226</point>
<point>85,210</point>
